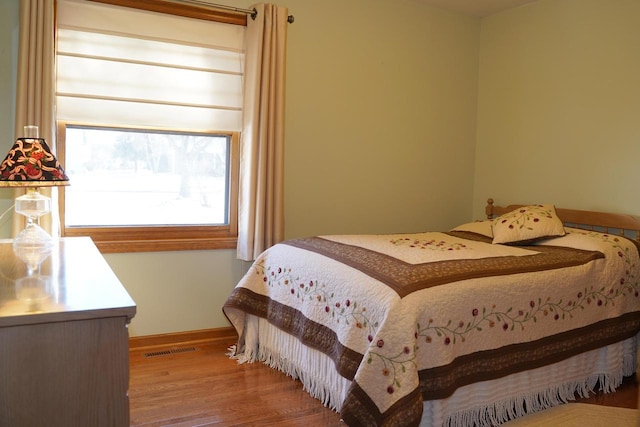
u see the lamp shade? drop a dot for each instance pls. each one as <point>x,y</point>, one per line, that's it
<point>30,163</point>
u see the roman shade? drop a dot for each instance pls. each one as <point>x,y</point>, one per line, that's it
<point>124,66</point>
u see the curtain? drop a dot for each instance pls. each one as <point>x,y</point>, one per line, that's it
<point>260,199</point>
<point>35,87</point>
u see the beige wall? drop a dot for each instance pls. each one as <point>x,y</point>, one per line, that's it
<point>381,104</point>
<point>559,106</point>
<point>177,291</point>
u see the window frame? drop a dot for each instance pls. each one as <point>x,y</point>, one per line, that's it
<point>207,12</point>
<point>116,239</point>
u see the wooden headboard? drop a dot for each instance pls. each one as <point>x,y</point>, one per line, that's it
<point>612,223</point>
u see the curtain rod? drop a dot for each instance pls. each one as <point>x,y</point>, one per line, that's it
<point>251,12</point>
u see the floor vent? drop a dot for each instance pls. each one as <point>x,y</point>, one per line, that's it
<point>171,351</point>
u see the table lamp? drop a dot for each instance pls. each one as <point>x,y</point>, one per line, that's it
<point>31,164</point>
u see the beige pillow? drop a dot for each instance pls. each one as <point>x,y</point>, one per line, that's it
<point>527,224</point>
<point>479,227</point>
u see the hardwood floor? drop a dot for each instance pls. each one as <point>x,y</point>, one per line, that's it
<point>205,387</point>
<point>198,385</point>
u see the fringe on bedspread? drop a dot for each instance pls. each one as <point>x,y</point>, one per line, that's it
<point>317,374</point>
<point>506,410</point>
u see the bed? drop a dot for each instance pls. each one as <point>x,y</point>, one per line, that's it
<point>478,325</point>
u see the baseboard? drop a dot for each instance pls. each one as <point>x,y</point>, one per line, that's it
<point>182,338</point>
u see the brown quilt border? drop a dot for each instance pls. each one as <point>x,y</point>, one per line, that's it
<point>405,278</point>
<point>294,323</point>
<point>442,381</point>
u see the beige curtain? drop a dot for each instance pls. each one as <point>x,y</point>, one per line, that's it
<point>36,84</point>
<point>261,202</point>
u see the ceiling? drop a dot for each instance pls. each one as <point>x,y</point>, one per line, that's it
<point>476,7</point>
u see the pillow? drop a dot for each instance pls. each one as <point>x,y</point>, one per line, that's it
<point>527,224</point>
<point>479,227</point>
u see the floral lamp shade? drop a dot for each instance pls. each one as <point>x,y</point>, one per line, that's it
<point>30,163</point>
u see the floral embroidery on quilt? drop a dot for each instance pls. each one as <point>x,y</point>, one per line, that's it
<point>339,308</point>
<point>509,318</point>
<point>395,361</point>
<point>630,275</point>
<point>436,245</point>
<point>394,364</point>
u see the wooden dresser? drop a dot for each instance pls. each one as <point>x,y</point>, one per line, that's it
<point>64,350</point>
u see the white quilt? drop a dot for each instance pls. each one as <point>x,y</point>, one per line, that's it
<point>412,317</point>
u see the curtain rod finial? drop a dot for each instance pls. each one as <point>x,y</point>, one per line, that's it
<point>254,14</point>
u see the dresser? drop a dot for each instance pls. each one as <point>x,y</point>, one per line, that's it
<point>64,352</point>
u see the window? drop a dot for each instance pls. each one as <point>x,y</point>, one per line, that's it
<point>130,186</point>
<point>149,110</point>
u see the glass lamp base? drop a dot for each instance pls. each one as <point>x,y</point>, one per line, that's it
<point>33,245</point>
<point>33,204</point>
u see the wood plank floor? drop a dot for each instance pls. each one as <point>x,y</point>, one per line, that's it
<point>198,385</point>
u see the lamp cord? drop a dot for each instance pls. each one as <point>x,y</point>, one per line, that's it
<point>2,273</point>
<point>5,212</point>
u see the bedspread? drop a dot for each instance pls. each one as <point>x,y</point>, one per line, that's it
<point>411,317</point>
